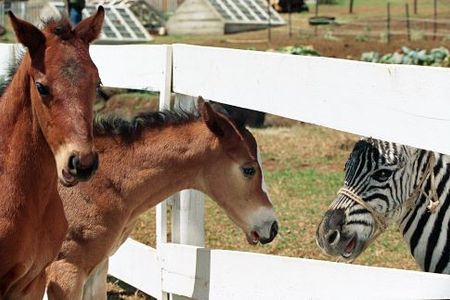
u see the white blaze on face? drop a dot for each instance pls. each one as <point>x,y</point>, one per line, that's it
<point>263,182</point>
<point>62,156</point>
<point>261,221</point>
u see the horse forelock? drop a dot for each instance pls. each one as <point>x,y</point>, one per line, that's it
<point>59,27</point>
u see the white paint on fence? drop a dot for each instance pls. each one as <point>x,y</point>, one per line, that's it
<point>220,274</point>
<point>398,103</point>
<point>133,66</point>
<point>137,265</point>
<point>7,53</point>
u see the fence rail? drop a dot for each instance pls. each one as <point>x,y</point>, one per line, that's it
<point>404,104</point>
<point>393,102</point>
<point>223,274</point>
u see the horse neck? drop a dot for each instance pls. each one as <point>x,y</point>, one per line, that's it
<point>162,162</point>
<point>24,151</point>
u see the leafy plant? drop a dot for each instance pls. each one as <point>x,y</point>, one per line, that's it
<point>435,57</point>
<point>298,50</point>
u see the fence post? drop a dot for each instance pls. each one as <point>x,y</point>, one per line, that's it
<point>188,214</point>
<point>188,208</point>
<point>164,103</point>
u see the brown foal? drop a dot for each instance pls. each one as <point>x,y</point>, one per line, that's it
<point>46,134</point>
<point>143,162</point>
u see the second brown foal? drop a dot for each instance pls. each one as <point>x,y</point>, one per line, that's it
<point>143,162</point>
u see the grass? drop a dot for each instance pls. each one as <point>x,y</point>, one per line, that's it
<point>304,169</point>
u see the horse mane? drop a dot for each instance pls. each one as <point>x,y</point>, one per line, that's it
<point>130,129</point>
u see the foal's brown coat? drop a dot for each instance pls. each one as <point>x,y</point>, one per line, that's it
<point>41,112</point>
<point>208,154</point>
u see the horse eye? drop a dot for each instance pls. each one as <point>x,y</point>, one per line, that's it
<point>382,175</point>
<point>42,89</point>
<point>248,171</point>
<point>98,88</point>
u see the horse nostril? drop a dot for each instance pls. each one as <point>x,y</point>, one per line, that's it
<point>333,237</point>
<point>88,160</point>
<point>82,167</point>
<point>273,230</point>
<point>73,162</point>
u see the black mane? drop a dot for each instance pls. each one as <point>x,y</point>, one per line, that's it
<point>131,129</point>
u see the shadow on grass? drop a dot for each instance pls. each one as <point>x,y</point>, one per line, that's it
<point>118,290</point>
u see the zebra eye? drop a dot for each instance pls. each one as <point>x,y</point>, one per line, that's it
<point>382,175</point>
<point>248,171</point>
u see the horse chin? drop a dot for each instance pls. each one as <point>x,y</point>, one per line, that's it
<point>252,238</point>
<point>67,179</point>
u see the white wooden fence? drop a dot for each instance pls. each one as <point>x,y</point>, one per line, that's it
<point>404,104</point>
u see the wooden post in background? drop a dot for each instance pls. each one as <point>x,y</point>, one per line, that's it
<point>434,19</point>
<point>408,25</point>
<point>415,7</point>
<point>388,22</point>
<point>290,18</point>
<point>350,9</point>
<point>269,22</point>
<point>316,14</point>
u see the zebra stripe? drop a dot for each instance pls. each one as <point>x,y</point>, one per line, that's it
<point>427,234</point>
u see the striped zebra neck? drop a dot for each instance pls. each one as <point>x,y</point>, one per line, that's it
<point>426,233</point>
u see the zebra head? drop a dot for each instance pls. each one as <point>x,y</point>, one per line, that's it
<point>378,180</point>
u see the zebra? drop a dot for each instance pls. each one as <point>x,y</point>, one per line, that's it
<point>387,183</point>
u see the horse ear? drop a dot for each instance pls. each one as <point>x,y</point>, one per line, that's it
<point>89,29</point>
<point>219,124</point>
<point>27,34</point>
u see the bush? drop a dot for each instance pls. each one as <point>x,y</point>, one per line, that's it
<point>435,57</point>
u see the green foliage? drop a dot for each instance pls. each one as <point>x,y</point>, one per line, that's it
<point>298,50</point>
<point>435,57</point>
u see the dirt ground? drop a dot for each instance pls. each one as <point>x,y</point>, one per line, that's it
<point>333,40</point>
